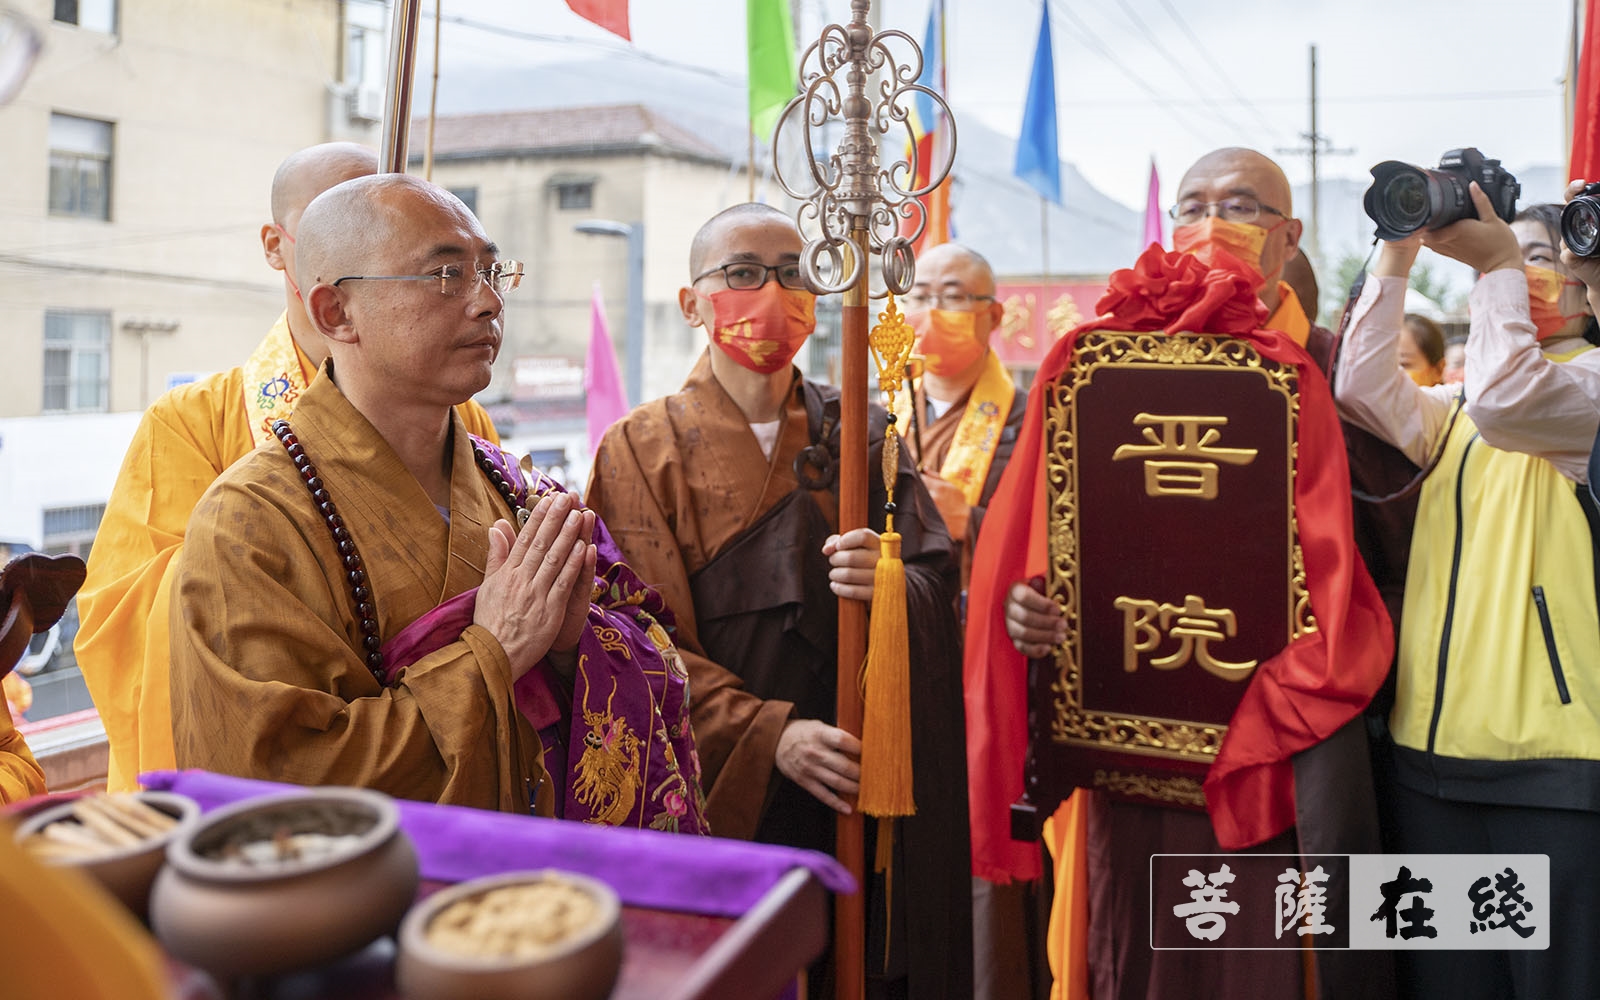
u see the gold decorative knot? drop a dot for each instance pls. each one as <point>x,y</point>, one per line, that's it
<point>891,342</point>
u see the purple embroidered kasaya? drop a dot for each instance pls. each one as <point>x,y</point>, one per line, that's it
<point>630,758</point>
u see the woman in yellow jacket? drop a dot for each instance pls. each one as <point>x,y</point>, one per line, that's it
<point>1496,723</point>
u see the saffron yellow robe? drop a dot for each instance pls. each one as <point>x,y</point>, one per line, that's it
<point>20,775</point>
<point>66,937</point>
<point>185,441</point>
<point>269,678</point>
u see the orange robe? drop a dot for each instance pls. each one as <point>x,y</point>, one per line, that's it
<point>268,673</point>
<point>184,442</point>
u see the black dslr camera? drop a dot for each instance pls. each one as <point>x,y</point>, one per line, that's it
<point>1580,222</point>
<point>1405,198</point>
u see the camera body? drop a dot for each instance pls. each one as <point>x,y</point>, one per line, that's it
<point>1405,198</point>
<point>1580,222</point>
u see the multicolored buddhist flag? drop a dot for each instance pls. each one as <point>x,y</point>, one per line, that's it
<point>774,81</point>
<point>1038,160</point>
<point>611,15</point>
<point>929,145</point>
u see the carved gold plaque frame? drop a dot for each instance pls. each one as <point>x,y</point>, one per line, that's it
<point>1071,722</point>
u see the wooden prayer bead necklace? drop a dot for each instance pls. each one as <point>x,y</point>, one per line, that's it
<point>355,572</point>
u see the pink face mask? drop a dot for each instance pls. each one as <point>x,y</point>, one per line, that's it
<point>762,328</point>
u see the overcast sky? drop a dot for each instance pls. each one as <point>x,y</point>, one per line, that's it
<point>1401,79</point>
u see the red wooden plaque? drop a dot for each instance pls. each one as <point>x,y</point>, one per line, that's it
<point>1173,553</point>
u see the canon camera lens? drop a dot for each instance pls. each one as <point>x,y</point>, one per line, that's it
<point>1405,198</point>
<point>1580,222</point>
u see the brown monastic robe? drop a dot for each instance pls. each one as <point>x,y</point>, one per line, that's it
<point>733,541</point>
<point>268,674</point>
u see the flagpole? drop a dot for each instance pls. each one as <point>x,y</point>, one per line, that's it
<point>750,163</point>
<point>1044,262</point>
<point>850,205</point>
<point>397,99</point>
<point>433,94</point>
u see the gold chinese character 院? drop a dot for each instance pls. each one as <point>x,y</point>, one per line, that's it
<point>1197,626</point>
<point>1189,445</point>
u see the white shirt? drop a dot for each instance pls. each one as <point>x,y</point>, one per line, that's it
<point>1517,397</point>
<point>767,435</point>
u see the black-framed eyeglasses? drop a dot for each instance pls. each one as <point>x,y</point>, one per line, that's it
<point>502,276</point>
<point>744,274</point>
<point>952,301</point>
<point>1240,208</point>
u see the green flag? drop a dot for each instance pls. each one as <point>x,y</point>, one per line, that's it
<point>773,81</point>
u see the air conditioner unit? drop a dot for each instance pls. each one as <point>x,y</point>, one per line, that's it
<point>366,104</point>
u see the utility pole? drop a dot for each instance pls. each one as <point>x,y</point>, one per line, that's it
<point>1317,146</point>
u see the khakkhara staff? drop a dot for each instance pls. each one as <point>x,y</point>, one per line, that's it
<point>852,209</point>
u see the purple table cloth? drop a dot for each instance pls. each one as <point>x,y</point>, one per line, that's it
<point>661,871</point>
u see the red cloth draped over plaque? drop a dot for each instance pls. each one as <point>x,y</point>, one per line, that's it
<point>1295,699</point>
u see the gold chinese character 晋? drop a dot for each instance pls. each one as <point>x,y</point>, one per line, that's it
<point>1143,623</point>
<point>1188,443</point>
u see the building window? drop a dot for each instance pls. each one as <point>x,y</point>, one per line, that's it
<point>77,348</point>
<point>575,196</point>
<point>468,196</point>
<point>80,167</point>
<point>94,15</point>
<point>71,530</point>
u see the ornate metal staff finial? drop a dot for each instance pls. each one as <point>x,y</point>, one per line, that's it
<point>849,190</point>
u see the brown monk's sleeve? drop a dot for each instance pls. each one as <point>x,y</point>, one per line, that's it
<point>267,683</point>
<point>735,732</point>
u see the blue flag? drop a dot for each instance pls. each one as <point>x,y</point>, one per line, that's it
<point>1038,162</point>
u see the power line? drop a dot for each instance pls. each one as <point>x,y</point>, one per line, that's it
<point>1089,38</point>
<point>1150,36</point>
<point>40,264</point>
<point>1205,54</point>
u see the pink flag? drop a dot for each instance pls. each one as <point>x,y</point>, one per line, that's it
<point>1152,211</point>
<point>605,399</point>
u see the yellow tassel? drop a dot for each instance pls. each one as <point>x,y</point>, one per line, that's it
<point>886,726</point>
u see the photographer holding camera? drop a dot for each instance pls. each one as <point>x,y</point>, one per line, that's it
<point>1496,724</point>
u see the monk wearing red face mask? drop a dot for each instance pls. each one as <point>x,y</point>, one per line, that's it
<point>723,496</point>
<point>1233,211</point>
<point>967,410</point>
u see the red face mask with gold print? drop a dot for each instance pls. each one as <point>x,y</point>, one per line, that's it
<point>948,340</point>
<point>762,328</point>
<point>1544,301</point>
<point>1242,240</point>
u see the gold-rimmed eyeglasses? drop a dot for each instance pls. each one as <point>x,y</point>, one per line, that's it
<point>952,301</point>
<point>502,276</point>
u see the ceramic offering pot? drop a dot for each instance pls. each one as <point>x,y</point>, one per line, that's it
<point>540,935</point>
<point>120,840</point>
<point>285,882</point>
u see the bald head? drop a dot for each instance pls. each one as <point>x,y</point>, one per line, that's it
<point>313,170</point>
<point>372,225</point>
<point>958,264</point>
<point>708,241</point>
<point>1247,171</point>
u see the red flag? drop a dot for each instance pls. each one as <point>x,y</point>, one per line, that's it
<point>611,15</point>
<point>1586,102</point>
